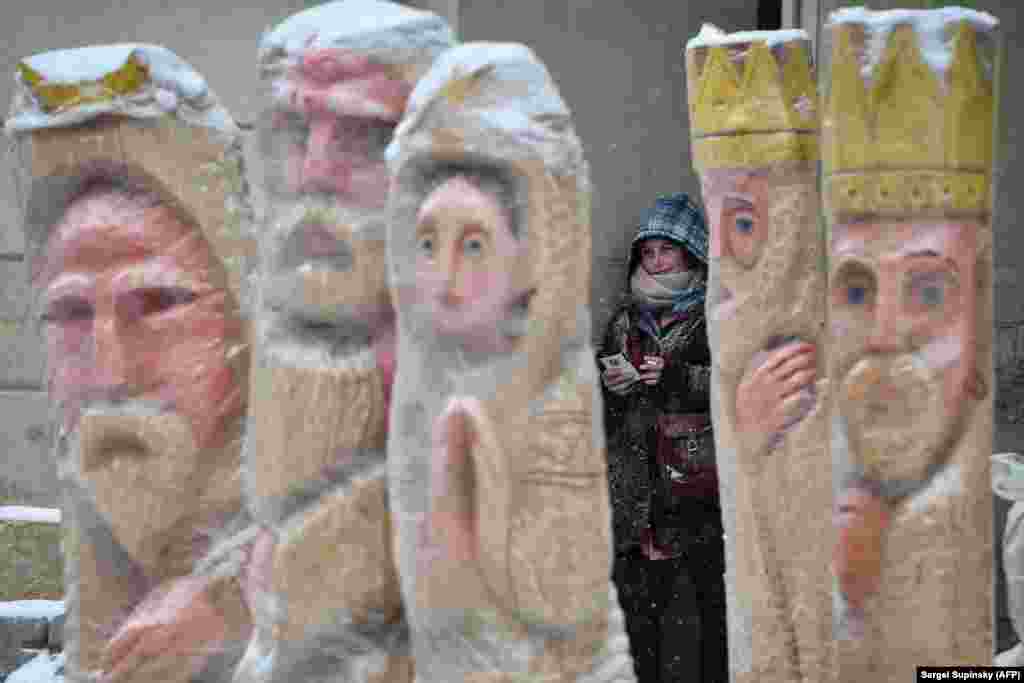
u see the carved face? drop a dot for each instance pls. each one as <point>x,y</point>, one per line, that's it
<point>466,262</point>
<point>327,327</point>
<point>137,339</point>
<point>765,279</point>
<point>903,315</point>
<point>333,116</point>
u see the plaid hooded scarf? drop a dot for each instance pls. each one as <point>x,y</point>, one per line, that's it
<point>676,218</point>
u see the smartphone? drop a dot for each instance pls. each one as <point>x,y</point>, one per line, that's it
<point>620,362</point>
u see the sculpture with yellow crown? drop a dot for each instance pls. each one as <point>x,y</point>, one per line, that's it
<point>754,128</point>
<point>134,205</point>
<point>907,147</point>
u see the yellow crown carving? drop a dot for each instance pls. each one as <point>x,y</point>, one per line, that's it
<point>767,114</point>
<point>913,141</point>
<point>57,97</point>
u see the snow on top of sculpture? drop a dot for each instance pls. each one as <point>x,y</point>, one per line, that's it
<point>384,30</point>
<point>68,87</point>
<point>503,95</point>
<point>931,26</point>
<point>710,35</point>
<point>752,98</point>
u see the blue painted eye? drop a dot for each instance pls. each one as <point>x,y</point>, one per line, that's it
<point>932,295</point>
<point>856,295</point>
<point>426,246</point>
<point>472,247</point>
<point>929,290</point>
<point>744,225</point>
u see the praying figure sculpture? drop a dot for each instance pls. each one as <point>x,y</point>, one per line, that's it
<point>907,151</point>
<point>495,454</point>
<point>324,585</point>
<point>134,208</point>
<point>754,128</point>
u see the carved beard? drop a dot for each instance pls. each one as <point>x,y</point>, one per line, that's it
<point>782,295</point>
<point>314,421</point>
<point>894,413</point>
<point>160,493</point>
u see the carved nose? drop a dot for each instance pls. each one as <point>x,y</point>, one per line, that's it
<point>457,207</point>
<point>888,328</point>
<point>321,170</point>
<point>112,369</point>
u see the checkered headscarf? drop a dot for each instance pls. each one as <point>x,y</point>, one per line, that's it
<point>675,217</point>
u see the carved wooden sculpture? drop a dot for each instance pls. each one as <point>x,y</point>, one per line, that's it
<point>754,138</point>
<point>327,600</point>
<point>496,451</point>
<point>134,201</point>
<point>907,148</point>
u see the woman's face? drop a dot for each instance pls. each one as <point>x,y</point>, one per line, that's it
<point>659,256</point>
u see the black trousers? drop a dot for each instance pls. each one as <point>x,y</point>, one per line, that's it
<point>675,614</point>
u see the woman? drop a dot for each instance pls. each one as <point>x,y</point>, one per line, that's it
<point>668,531</point>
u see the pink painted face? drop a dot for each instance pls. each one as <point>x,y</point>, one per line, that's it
<point>737,203</point>
<point>334,117</point>
<point>904,300</point>
<point>466,258</point>
<point>658,256</point>
<point>134,308</point>
<point>765,254</point>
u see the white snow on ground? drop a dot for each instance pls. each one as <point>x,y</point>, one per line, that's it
<point>31,609</point>
<point>22,513</point>
<point>45,668</point>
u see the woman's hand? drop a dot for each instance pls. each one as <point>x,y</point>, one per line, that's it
<point>618,381</point>
<point>650,369</point>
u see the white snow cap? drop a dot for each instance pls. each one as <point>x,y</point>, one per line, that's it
<point>174,87</point>
<point>712,36</point>
<point>520,97</point>
<point>932,28</point>
<point>364,25</point>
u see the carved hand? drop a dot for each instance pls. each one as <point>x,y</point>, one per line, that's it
<point>537,545</point>
<point>173,630</point>
<point>774,393</point>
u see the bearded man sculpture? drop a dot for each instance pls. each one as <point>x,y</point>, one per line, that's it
<point>496,460</point>
<point>134,208</point>
<point>907,140</point>
<point>754,139</point>
<point>325,588</point>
